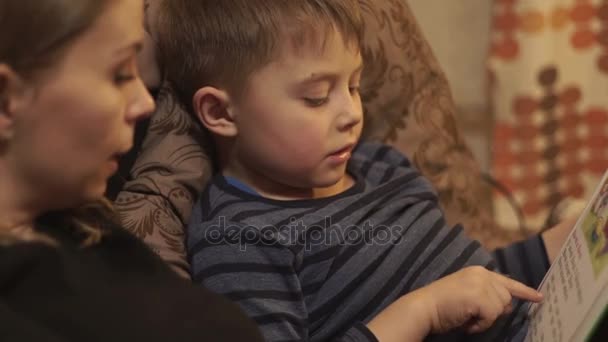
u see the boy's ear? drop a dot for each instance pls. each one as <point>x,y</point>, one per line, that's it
<point>212,109</point>
<point>12,93</point>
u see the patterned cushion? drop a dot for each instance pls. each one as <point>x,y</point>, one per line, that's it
<point>407,103</point>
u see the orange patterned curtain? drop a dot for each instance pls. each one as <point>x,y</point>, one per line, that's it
<point>548,70</point>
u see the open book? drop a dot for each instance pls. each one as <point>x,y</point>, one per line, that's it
<point>575,289</point>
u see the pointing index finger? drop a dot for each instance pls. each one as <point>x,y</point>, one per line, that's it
<point>520,290</point>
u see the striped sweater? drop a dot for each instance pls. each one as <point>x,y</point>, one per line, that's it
<point>321,269</point>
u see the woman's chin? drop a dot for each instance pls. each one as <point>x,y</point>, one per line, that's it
<point>94,192</point>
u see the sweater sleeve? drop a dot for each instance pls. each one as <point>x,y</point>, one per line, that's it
<point>358,333</point>
<point>377,152</point>
<point>15,327</point>
<point>259,275</point>
<point>525,261</point>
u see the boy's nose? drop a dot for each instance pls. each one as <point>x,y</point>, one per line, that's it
<point>351,116</point>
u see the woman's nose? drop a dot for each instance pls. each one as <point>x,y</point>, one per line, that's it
<point>142,104</point>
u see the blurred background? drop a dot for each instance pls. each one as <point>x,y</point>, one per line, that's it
<point>530,80</point>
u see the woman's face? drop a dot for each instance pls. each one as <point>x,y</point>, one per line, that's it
<point>77,119</point>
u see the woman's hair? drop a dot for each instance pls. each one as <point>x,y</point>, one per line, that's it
<point>85,224</point>
<point>34,36</point>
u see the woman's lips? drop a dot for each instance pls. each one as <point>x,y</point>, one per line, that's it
<point>114,160</point>
<point>113,165</point>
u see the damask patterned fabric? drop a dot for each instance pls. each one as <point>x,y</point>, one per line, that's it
<point>549,73</point>
<point>407,104</point>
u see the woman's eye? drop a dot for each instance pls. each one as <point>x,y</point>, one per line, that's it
<point>126,72</point>
<point>316,102</point>
<point>121,78</point>
<point>354,89</point>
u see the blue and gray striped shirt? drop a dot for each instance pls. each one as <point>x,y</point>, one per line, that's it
<point>321,269</point>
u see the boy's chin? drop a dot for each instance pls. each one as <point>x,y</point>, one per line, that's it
<point>328,182</point>
<point>335,182</point>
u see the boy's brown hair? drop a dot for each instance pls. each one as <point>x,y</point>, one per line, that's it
<point>221,43</point>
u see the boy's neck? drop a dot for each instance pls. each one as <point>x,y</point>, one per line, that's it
<point>267,187</point>
<point>274,190</point>
<point>343,184</point>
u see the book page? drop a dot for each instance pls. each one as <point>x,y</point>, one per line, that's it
<point>588,330</point>
<point>577,276</point>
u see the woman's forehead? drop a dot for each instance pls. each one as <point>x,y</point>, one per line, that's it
<point>118,28</point>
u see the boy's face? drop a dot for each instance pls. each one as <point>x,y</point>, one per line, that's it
<point>299,119</point>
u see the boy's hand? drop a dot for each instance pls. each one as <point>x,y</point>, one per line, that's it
<point>472,298</point>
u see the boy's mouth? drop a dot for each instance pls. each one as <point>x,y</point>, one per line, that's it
<point>343,150</point>
<point>343,153</point>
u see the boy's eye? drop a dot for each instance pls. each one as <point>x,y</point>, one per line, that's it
<point>354,89</point>
<point>316,102</point>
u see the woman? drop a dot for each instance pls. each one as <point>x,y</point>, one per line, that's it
<point>70,95</point>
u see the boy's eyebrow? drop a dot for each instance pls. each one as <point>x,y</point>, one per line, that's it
<point>327,76</point>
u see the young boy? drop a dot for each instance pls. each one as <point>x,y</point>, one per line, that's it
<point>316,235</point>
